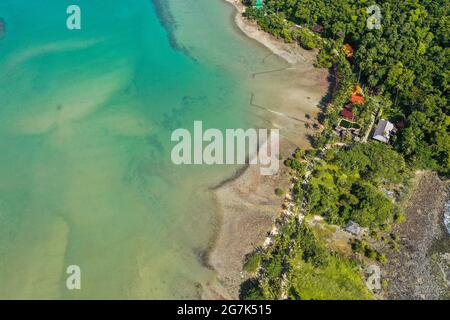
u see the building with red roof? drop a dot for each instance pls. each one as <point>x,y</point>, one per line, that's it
<point>357,99</point>
<point>347,113</point>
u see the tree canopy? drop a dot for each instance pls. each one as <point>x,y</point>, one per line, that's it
<point>406,60</point>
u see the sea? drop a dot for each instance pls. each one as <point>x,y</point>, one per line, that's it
<point>86,117</point>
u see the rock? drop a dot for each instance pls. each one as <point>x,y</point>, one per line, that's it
<point>410,271</point>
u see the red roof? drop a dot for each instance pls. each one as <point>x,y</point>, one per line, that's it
<point>347,114</point>
<point>357,99</point>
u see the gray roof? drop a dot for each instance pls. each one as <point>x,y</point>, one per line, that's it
<point>354,228</point>
<point>383,130</point>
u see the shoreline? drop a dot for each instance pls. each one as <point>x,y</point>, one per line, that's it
<point>248,209</point>
<point>247,204</point>
<point>248,212</point>
<point>290,52</point>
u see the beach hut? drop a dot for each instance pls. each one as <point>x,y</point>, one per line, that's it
<point>357,99</point>
<point>355,229</point>
<point>357,95</point>
<point>347,113</point>
<point>383,131</point>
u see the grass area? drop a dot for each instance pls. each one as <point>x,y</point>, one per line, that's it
<point>312,270</point>
<point>340,279</point>
<point>321,229</point>
<point>252,263</point>
<point>349,125</point>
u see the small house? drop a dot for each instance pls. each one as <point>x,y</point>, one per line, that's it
<point>357,95</point>
<point>355,229</point>
<point>347,113</point>
<point>383,131</point>
<point>357,99</point>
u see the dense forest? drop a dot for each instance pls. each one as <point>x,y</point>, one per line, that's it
<point>405,61</point>
<point>362,184</point>
<point>403,69</point>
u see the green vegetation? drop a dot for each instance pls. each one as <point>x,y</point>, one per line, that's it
<point>311,270</point>
<point>340,279</point>
<point>403,68</point>
<point>252,262</point>
<point>297,162</point>
<point>364,248</point>
<point>404,65</point>
<point>345,184</point>
<point>349,186</point>
<point>347,124</point>
<point>279,192</point>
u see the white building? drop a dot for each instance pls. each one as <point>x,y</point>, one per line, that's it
<point>382,133</point>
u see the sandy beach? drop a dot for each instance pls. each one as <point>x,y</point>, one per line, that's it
<point>288,51</point>
<point>247,203</point>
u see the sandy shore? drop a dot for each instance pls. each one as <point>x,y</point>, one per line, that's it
<point>249,207</point>
<point>288,51</point>
<point>247,203</point>
<point>411,272</point>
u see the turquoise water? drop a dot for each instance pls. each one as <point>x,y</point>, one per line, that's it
<point>85,123</point>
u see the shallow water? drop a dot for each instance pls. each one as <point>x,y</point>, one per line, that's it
<point>85,124</point>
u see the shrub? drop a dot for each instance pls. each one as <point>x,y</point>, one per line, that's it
<point>394,237</point>
<point>299,153</point>
<point>399,217</point>
<point>252,263</point>
<point>324,60</point>
<point>251,290</point>
<point>254,294</point>
<point>313,251</point>
<point>370,253</point>
<point>279,192</point>
<point>381,257</point>
<point>274,266</point>
<point>294,164</point>
<point>358,246</point>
